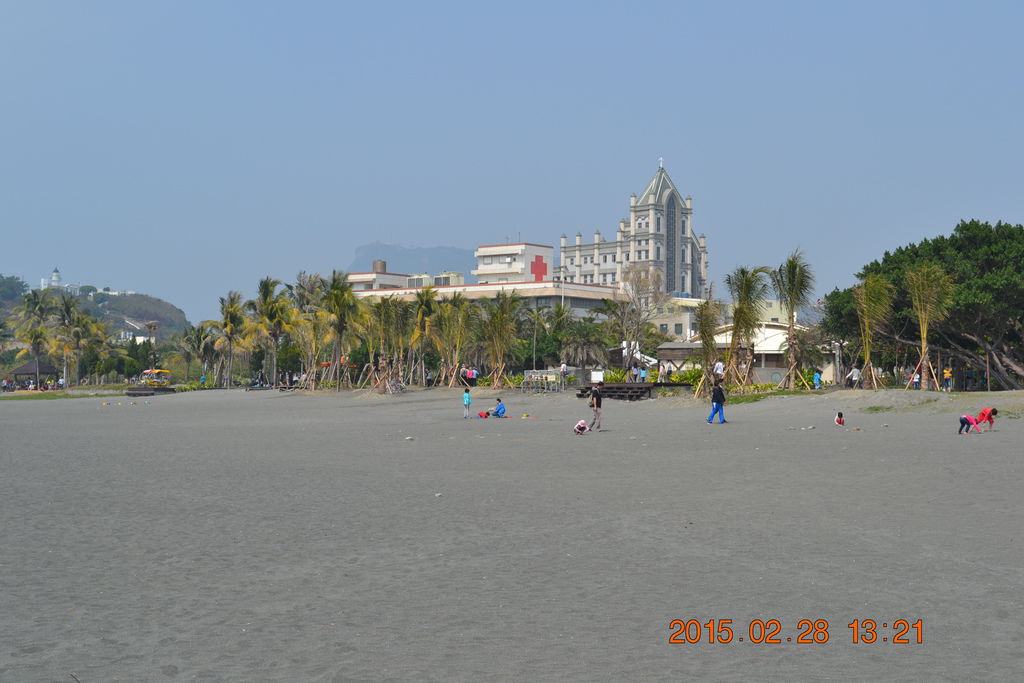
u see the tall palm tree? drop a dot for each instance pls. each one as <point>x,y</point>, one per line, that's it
<point>931,295</point>
<point>342,306</point>
<point>230,329</point>
<point>307,291</point>
<point>498,330</point>
<point>425,303</point>
<point>585,343</point>
<point>312,331</point>
<point>64,311</point>
<point>793,282</point>
<point>707,316</point>
<point>36,340</point>
<point>749,289</point>
<point>873,297</point>
<point>269,320</point>
<point>35,309</point>
<point>538,320</point>
<point>450,332</point>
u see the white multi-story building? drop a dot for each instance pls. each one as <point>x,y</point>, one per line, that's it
<point>520,262</point>
<point>659,233</point>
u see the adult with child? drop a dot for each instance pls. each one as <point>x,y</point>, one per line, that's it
<point>499,409</point>
<point>595,403</point>
<point>717,403</point>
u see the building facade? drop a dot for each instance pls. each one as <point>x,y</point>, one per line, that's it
<point>520,262</point>
<point>659,233</point>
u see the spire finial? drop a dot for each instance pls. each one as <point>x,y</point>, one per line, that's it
<point>661,162</point>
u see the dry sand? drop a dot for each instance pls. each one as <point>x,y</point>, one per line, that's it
<point>233,536</point>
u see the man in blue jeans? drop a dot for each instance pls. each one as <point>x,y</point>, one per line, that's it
<point>717,404</point>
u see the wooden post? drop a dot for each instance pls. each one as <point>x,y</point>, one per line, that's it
<point>988,376</point>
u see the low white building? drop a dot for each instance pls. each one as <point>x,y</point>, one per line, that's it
<point>378,278</point>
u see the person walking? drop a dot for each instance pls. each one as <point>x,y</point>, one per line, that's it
<point>717,404</point>
<point>719,370</point>
<point>643,373</point>
<point>854,377</point>
<point>817,380</point>
<point>466,403</point>
<point>595,403</point>
<point>947,378</point>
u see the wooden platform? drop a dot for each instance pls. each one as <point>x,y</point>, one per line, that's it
<point>630,391</point>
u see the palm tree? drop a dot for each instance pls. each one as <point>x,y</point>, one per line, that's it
<point>230,328</point>
<point>585,343</point>
<point>342,306</point>
<point>498,330</point>
<point>450,331</point>
<point>616,323</point>
<point>307,292</point>
<point>707,316</point>
<point>873,297</point>
<point>425,303</point>
<point>793,282</point>
<point>931,295</point>
<point>749,290</point>
<point>388,330</point>
<point>63,313</point>
<point>32,318</point>
<point>269,319</point>
<point>36,340</point>
<point>538,319</point>
<point>311,333</point>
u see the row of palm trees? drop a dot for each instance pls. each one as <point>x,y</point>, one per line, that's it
<point>792,283</point>
<point>324,319</point>
<point>57,327</point>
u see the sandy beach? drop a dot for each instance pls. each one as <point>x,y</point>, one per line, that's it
<point>260,536</point>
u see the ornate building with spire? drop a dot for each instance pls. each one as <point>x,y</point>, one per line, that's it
<point>659,232</point>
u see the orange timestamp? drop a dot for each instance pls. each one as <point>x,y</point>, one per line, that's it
<point>809,631</point>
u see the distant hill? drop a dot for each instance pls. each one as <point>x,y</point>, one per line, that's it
<point>130,312</point>
<point>411,260</point>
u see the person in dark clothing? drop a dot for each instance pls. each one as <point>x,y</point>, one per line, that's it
<point>595,403</point>
<point>717,404</point>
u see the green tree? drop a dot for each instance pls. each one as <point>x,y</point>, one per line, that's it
<point>749,290</point>
<point>707,316</point>
<point>585,343</point>
<point>874,301</point>
<point>269,320</point>
<point>342,306</point>
<point>793,282</point>
<point>931,296</point>
<point>229,329</point>
<point>498,330</point>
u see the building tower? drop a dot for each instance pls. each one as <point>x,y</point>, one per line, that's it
<point>659,232</point>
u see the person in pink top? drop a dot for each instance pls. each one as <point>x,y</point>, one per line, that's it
<point>966,422</point>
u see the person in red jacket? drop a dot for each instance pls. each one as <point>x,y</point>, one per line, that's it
<point>986,415</point>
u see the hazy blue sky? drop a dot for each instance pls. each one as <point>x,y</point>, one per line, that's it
<point>187,148</point>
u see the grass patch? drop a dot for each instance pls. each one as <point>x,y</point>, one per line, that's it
<point>42,396</point>
<point>878,409</point>
<point>746,398</point>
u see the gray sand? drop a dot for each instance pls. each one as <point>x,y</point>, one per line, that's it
<point>237,536</point>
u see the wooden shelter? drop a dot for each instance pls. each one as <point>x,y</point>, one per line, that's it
<point>34,369</point>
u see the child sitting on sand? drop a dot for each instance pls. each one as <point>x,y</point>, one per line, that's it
<point>840,420</point>
<point>499,409</point>
<point>581,428</point>
<point>966,422</point>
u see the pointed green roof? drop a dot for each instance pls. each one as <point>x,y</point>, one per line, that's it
<point>656,189</point>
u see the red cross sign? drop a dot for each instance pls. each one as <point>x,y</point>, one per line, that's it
<point>538,268</point>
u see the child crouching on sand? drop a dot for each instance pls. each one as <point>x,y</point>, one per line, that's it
<point>986,415</point>
<point>581,428</point>
<point>966,422</point>
<point>840,420</point>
